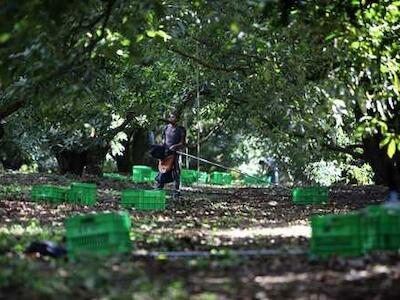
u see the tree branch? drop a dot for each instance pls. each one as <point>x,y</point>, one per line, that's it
<point>8,110</point>
<point>207,64</point>
<point>350,150</point>
<point>188,98</point>
<point>210,133</point>
<point>106,16</point>
<point>216,46</point>
<point>227,114</point>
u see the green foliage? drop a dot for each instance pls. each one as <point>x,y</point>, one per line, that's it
<point>314,90</point>
<point>29,168</point>
<point>109,166</point>
<point>324,173</point>
<point>327,173</point>
<point>362,175</point>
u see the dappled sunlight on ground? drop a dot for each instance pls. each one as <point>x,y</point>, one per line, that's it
<point>216,222</point>
<point>289,231</point>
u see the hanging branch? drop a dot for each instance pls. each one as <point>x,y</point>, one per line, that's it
<point>228,113</point>
<point>350,150</point>
<point>215,47</point>
<point>106,16</point>
<point>209,134</point>
<point>8,110</point>
<point>207,64</point>
<point>188,99</point>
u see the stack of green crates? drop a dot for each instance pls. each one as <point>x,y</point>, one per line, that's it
<point>143,199</point>
<point>202,177</point>
<point>82,193</point>
<point>98,234</point>
<point>49,193</point>
<point>310,195</point>
<point>220,178</point>
<point>381,228</point>
<point>115,176</point>
<point>336,235</point>
<point>142,174</point>
<point>188,176</point>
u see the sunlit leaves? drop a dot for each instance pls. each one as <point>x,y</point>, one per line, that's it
<point>4,37</point>
<point>391,148</point>
<point>158,33</point>
<point>235,28</point>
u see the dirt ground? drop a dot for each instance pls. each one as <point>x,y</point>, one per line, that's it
<point>209,219</point>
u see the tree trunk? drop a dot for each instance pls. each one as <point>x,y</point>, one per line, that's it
<point>1,130</point>
<point>95,159</point>
<point>71,161</point>
<point>11,155</point>
<point>387,171</point>
<point>124,162</point>
<point>135,151</point>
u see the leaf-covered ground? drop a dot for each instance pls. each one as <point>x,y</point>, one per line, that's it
<point>209,219</point>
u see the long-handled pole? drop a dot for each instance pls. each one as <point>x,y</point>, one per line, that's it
<point>220,166</point>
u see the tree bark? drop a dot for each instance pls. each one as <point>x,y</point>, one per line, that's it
<point>95,158</point>
<point>71,161</point>
<point>2,131</point>
<point>135,151</point>
<point>387,170</point>
<point>11,155</point>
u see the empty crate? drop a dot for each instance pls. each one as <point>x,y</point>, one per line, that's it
<point>336,235</point>
<point>142,174</point>
<point>143,199</point>
<point>310,195</point>
<point>99,234</point>
<point>202,177</point>
<point>82,193</point>
<point>220,178</point>
<point>115,176</point>
<point>188,176</point>
<point>248,180</point>
<point>49,193</point>
<point>380,228</point>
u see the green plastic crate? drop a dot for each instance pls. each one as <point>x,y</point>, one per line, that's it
<point>202,177</point>
<point>129,198</point>
<point>49,193</point>
<point>98,234</point>
<point>153,175</point>
<point>141,174</point>
<point>188,176</point>
<point>143,199</point>
<point>381,228</point>
<point>115,176</point>
<point>82,193</point>
<point>338,235</point>
<point>152,200</point>
<point>254,181</point>
<point>310,195</point>
<point>220,178</point>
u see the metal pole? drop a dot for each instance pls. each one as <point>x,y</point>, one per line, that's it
<point>198,110</point>
<point>220,166</point>
<point>186,159</point>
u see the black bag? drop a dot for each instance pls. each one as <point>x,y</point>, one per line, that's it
<point>158,151</point>
<point>165,177</point>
